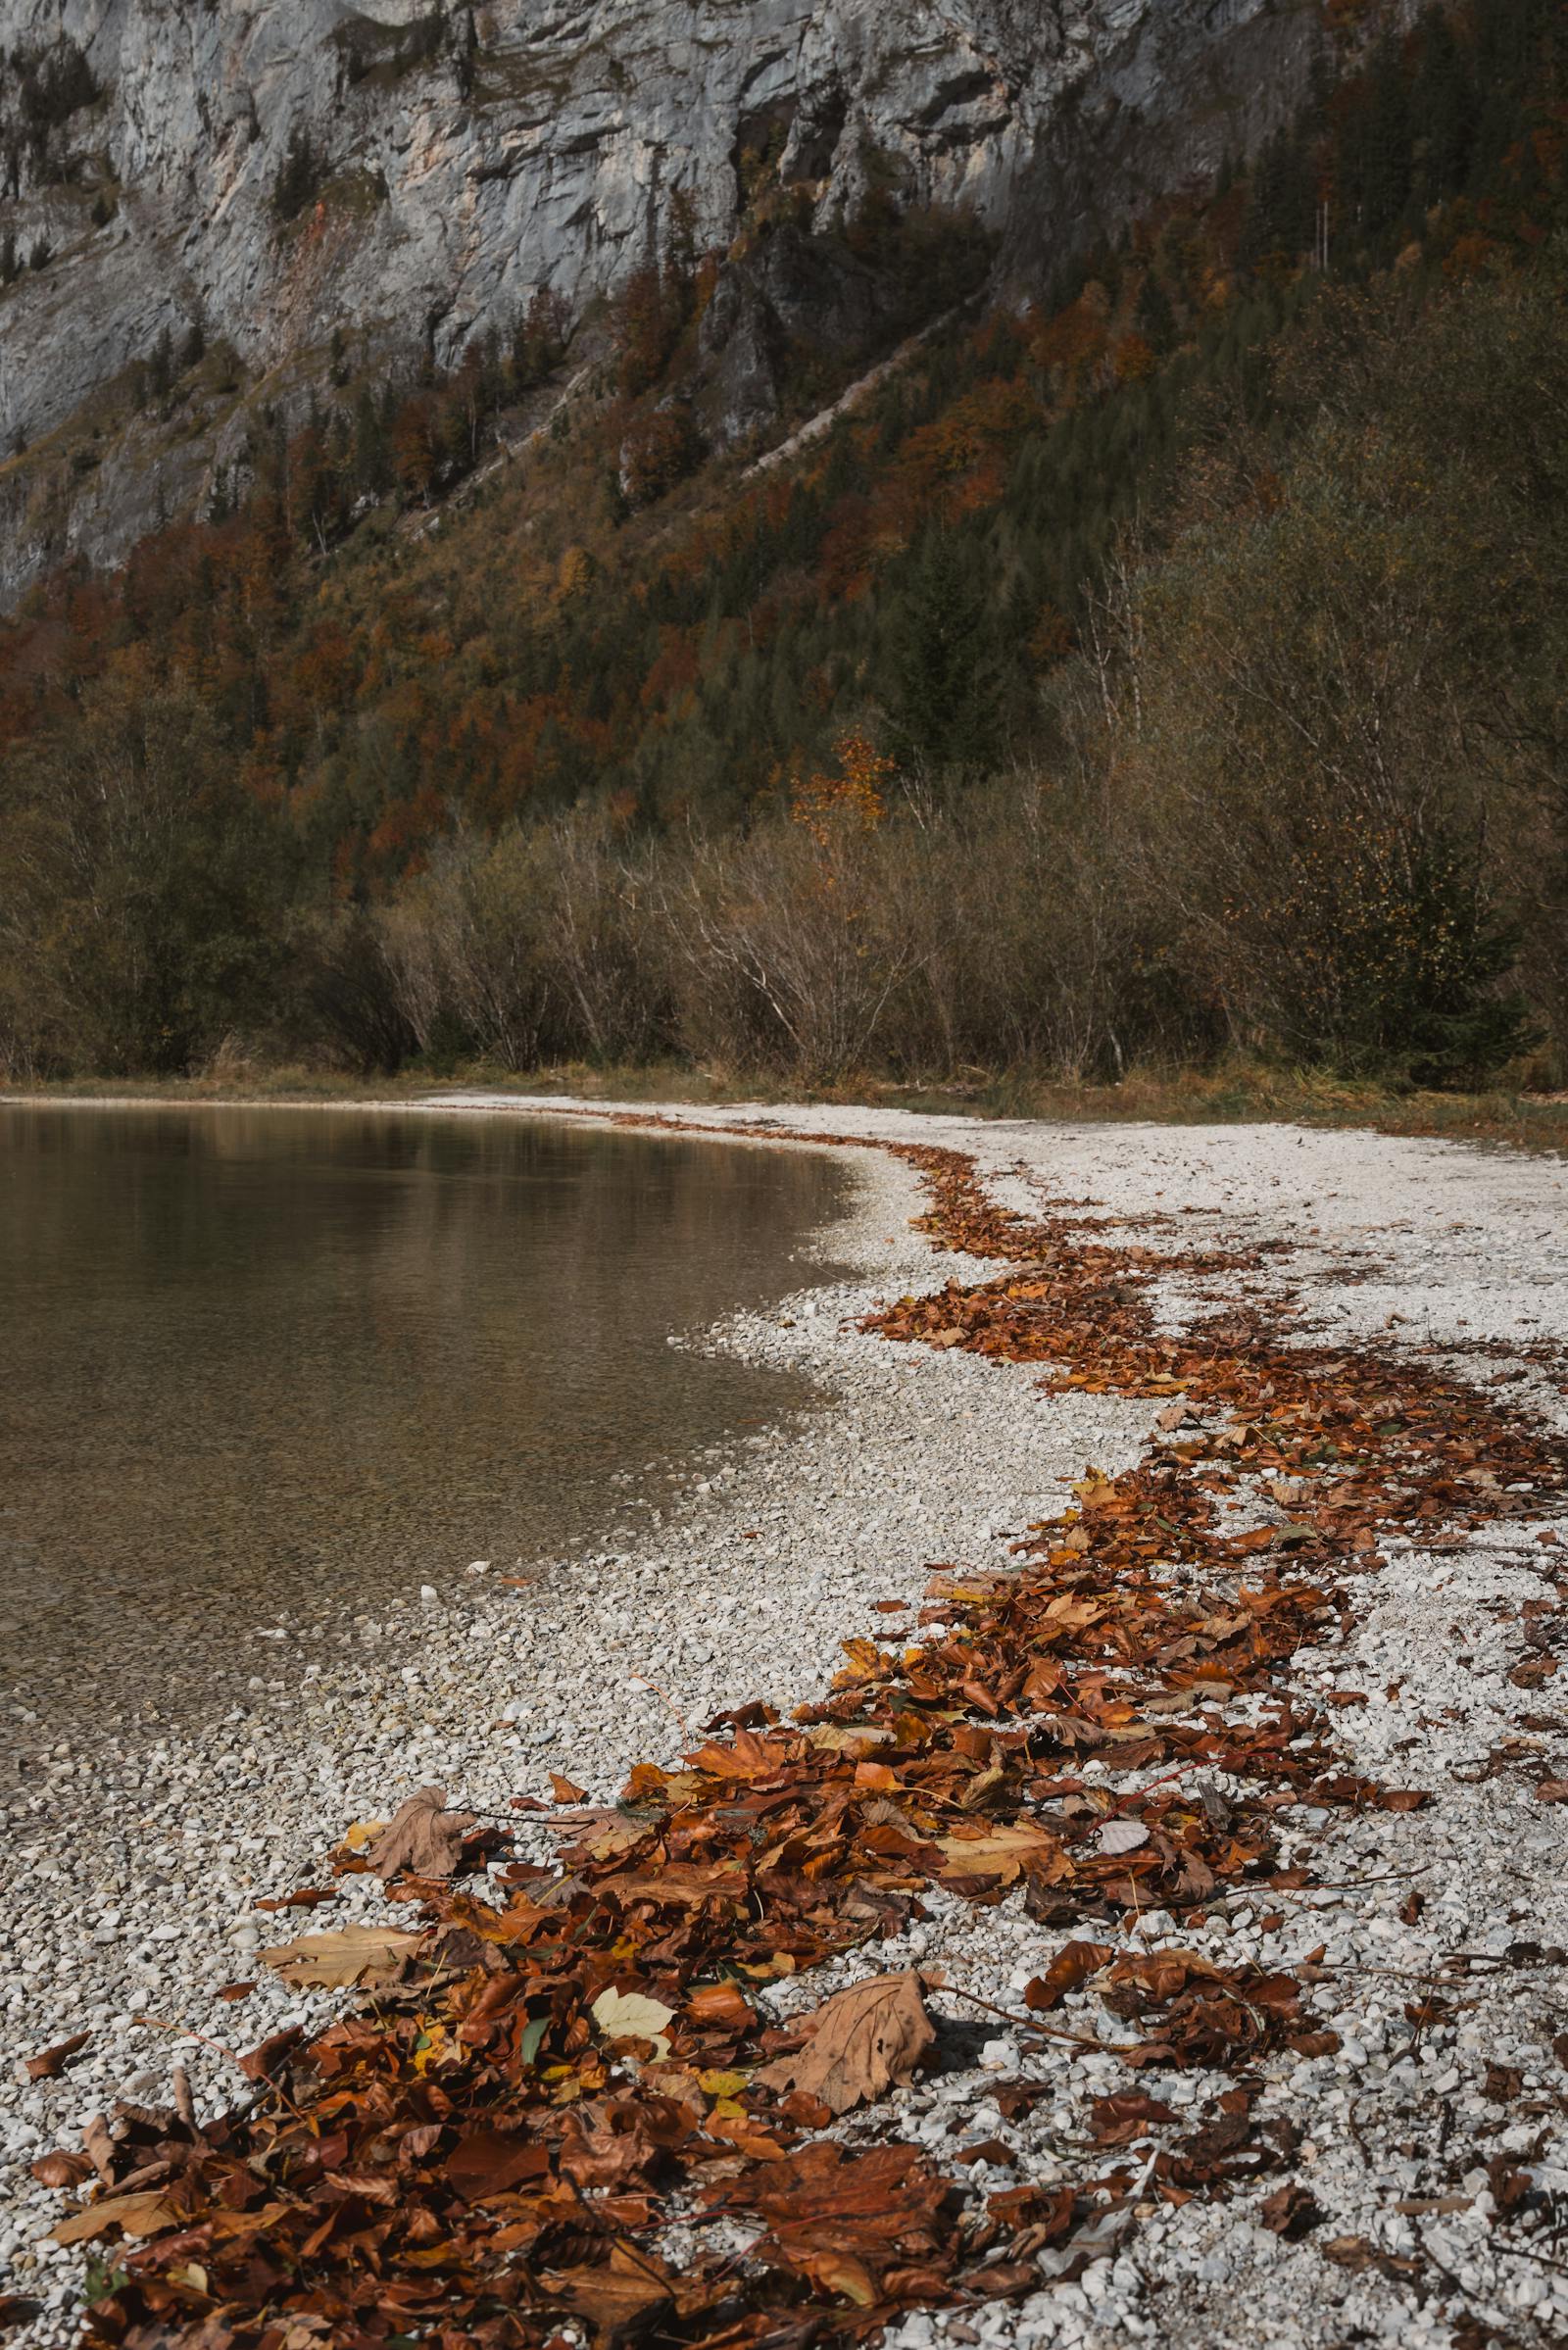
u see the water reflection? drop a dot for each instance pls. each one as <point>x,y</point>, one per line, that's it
<point>259,1359</point>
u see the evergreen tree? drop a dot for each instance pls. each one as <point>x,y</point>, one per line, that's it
<point>372,464</point>
<point>1442,110</point>
<point>161,365</point>
<point>941,665</point>
<point>1155,319</point>
<point>298,179</point>
<point>1379,163</point>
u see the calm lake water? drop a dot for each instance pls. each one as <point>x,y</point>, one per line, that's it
<point>265,1359</point>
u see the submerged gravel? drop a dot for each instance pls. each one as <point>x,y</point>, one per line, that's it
<point>132,1877</point>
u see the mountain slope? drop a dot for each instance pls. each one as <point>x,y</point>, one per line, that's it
<point>268,178</point>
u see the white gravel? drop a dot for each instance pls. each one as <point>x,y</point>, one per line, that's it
<point>130,1883</point>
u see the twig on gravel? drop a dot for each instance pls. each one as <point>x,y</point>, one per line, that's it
<point>1026,2023</point>
<point>640,1680</point>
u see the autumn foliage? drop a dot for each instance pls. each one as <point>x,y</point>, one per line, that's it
<point>446,624</point>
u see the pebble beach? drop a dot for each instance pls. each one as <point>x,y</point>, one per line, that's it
<point>133,1871</point>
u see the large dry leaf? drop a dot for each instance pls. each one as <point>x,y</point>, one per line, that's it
<point>840,1738</point>
<point>357,1954</point>
<point>616,2298</point>
<point>136,2214</point>
<point>866,2039</point>
<point>487,2162</point>
<point>677,1884</point>
<point>1003,1851</point>
<point>422,1839</point>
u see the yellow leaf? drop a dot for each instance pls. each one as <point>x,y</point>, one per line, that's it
<point>434,2044</point>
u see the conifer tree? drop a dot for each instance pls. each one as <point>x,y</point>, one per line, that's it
<point>941,664</point>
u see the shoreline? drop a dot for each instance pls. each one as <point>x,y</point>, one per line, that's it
<point>303,1755</point>
<point>1243,1095</point>
<point>920,1456</point>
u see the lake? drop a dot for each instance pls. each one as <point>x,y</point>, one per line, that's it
<point>265,1363</point>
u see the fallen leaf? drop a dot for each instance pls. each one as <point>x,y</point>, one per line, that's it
<point>837,1737</point>
<point>133,2215</point>
<point>1127,2114</point>
<point>1551,1790</point>
<point>1072,1965</point>
<point>355,1954</point>
<point>423,1838</point>
<point>720,2006</point>
<point>1004,1851</point>
<point>99,2147</point>
<point>616,2298</point>
<point>487,2162</point>
<point>1121,1835</point>
<point>840,2272</point>
<point>1290,2213</point>
<point>866,2041</point>
<point>61,2169</point>
<point>631,2015</point>
<point>49,2061</point>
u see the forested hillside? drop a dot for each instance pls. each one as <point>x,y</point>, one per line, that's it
<point>1171,665</point>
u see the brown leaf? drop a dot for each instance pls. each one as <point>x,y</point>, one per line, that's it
<point>355,1954</point>
<point>133,2215</point>
<point>1127,2114</point>
<point>1072,1965</point>
<point>266,2060</point>
<point>842,2273</point>
<point>616,2297</point>
<point>867,2038</point>
<point>719,2006</point>
<point>486,2162</point>
<point>99,2147</point>
<point>1003,1851</point>
<point>61,2169</point>
<point>563,1791</point>
<point>423,1838</point>
<point>1291,2213</point>
<point>49,2061</point>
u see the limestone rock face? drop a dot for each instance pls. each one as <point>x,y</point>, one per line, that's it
<point>280,168</point>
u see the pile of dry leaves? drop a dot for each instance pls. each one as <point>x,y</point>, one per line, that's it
<point>542,2079</point>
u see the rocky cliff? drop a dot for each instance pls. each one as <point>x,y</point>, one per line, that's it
<point>263,175</point>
